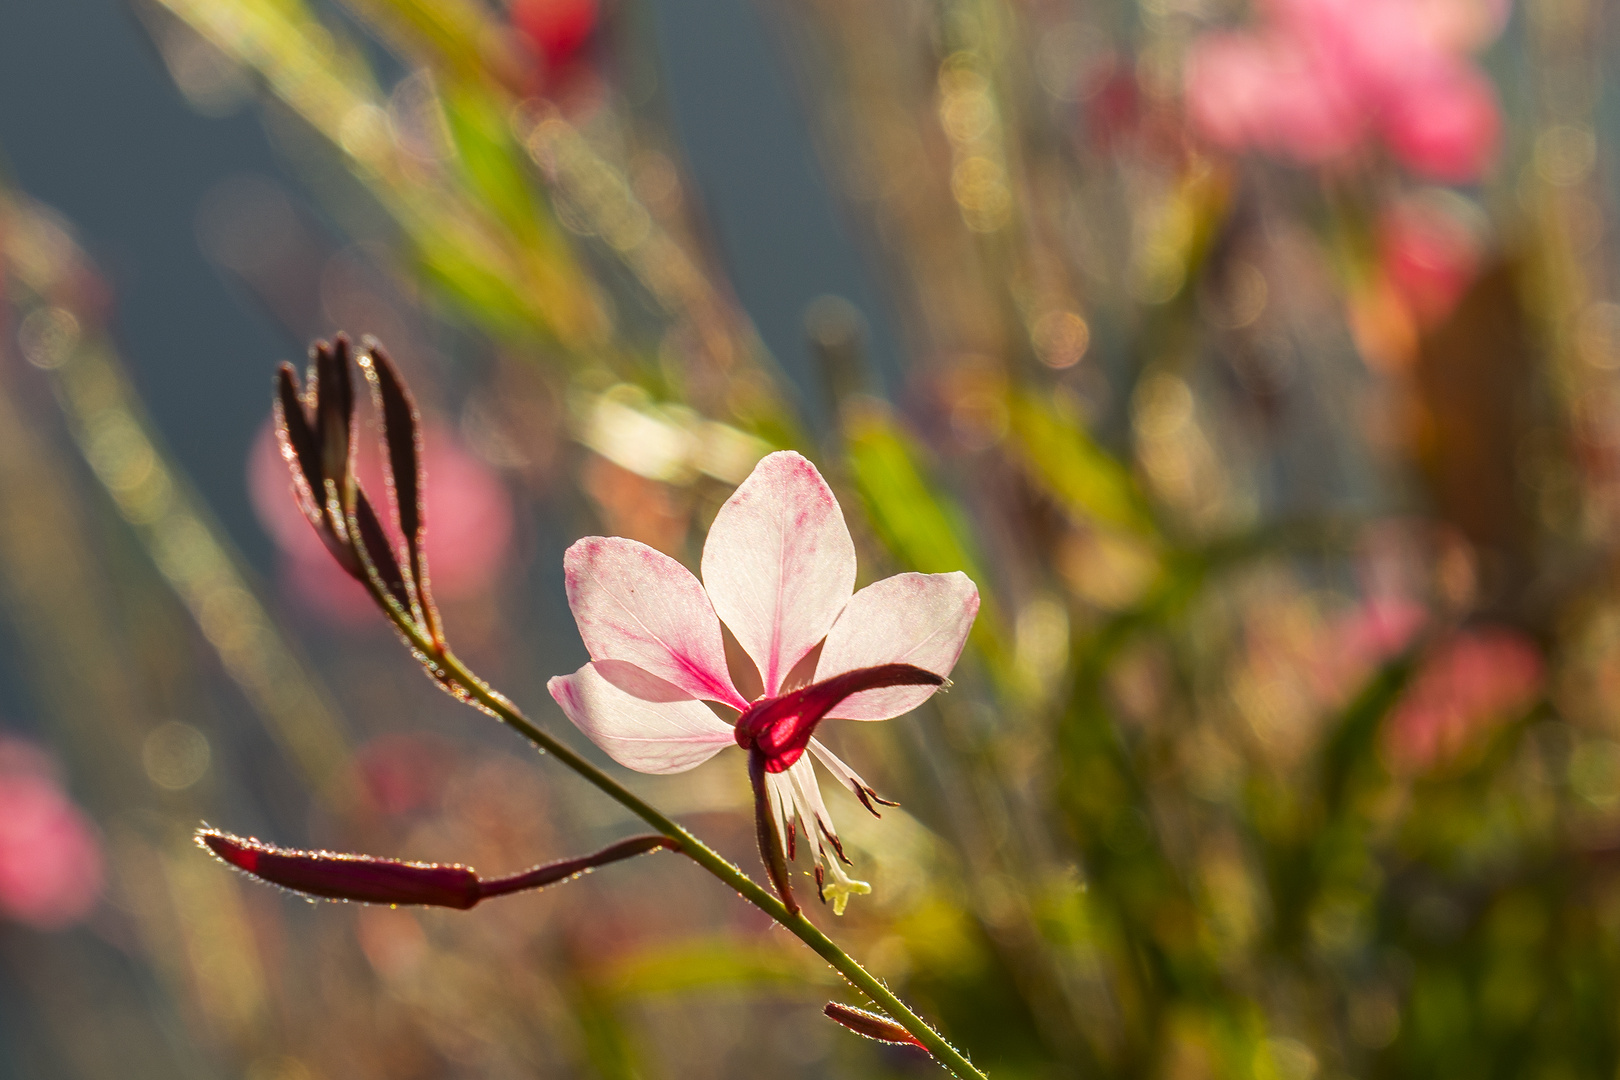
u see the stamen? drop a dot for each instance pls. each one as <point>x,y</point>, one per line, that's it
<point>849,778</point>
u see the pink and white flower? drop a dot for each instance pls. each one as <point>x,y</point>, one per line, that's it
<point>779,574</point>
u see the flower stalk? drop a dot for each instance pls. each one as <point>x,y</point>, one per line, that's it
<point>321,460</point>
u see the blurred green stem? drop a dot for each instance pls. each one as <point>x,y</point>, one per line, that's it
<point>468,687</point>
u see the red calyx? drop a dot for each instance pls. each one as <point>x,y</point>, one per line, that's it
<point>780,728</point>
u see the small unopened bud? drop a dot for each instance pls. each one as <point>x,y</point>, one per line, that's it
<point>870,1024</point>
<point>348,877</point>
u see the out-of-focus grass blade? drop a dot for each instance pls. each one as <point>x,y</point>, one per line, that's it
<point>1061,456</point>
<point>490,159</point>
<point>515,284</point>
<point>607,1042</point>
<point>487,295</point>
<point>914,522</point>
<point>921,528</point>
<point>721,962</point>
<point>1351,743</point>
<point>461,36</point>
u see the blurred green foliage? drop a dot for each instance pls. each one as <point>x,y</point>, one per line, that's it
<point>1217,795</point>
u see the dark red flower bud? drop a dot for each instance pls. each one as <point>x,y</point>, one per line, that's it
<point>370,880</point>
<point>870,1024</point>
<point>348,877</point>
<point>315,429</point>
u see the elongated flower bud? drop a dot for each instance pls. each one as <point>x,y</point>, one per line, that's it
<point>371,880</point>
<point>348,877</point>
<point>870,1024</point>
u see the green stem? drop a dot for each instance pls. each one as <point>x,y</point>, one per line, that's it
<point>451,670</point>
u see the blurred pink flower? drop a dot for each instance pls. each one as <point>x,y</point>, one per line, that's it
<point>1446,125</point>
<point>1381,628</point>
<point>50,859</point>
<point>1428,255</point>
<point>1373,633</point>
<point>555,29</point>
<point>403,772</point>
<point>468,511</point>
<point>1465,689</point>
<point>1317,77</point>
<point>779,572</point>
<point>1266,92</point>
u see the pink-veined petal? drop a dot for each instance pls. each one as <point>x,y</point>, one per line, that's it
<point>636,604</point>
<point>919,619</point>
<point>643,722</point>
<point>779,563</point>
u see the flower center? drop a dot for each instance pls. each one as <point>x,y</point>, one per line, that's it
<point>780,728</point>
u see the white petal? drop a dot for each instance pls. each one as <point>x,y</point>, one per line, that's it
<point>919,619</point>
<point>813,816</point>
<point>636,604</point>
<point>779,792</point>
<point>795,794</point>
<point>796,797</point>
<point>779,563</point>
<point>643,722</point>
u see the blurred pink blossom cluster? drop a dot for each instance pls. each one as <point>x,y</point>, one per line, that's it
<point>1432,247</point>
<point>1318,80</point>
<point>1466,688</point>
<point>1429,255</point>
<point>467,544</point>
<point>50,857</point>
<point>1357,643</point>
